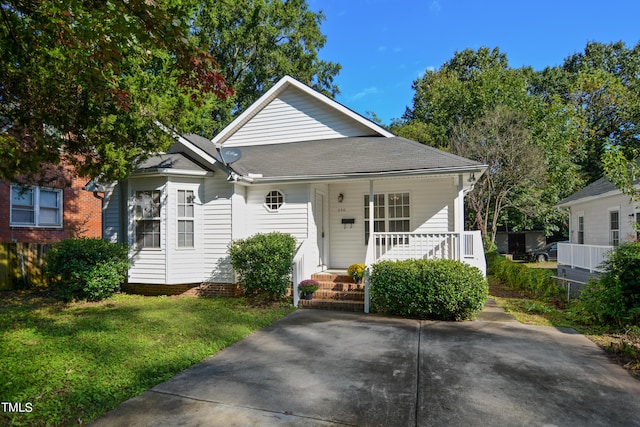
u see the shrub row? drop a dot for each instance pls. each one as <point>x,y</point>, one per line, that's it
<point>517,276</point>
<point>438,289</point>
<point>86,269</point>
<point>615,298</point>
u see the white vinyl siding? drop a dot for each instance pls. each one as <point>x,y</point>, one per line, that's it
<point>293,117</point>
<point>431,200</point>
<point>111,215</point>
<point>148,265</point>
<point>216,231</point>
<point>292,217</point>
<point>184,264</point>
<point>597,220</point>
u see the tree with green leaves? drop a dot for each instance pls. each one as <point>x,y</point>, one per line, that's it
<point>516,171</point>
<point>475,83</point>
<point>256,43</point>
<point>601,89</point>
<point>90,80</point>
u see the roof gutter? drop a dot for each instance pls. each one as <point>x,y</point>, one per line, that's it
<point>248,180</point>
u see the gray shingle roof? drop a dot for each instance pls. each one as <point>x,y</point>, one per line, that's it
<point>177,161</point>
<point>340,156</point>
<point>596,188</point>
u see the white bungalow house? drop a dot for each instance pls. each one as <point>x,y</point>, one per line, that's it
<point>296,162</point>
<point>601,217</point>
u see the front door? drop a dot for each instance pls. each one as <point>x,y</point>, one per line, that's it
<point>319,217</point>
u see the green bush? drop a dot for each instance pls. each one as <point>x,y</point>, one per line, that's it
<point>518,276</point>
<point>438,289</point>
<point>615,298</point>
<point>86,269</point>
<point>263,262</point>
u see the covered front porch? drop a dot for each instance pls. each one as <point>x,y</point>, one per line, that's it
<point>413,217</point>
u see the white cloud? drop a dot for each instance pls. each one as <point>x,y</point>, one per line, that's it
<point>372,90</point>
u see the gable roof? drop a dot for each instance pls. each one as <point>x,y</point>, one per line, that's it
<point>290,84</point>
<point>172,163</point>
<point>274,149</point>
<point>596,190</point>
<point>340,158</point>
<point>346,157</point>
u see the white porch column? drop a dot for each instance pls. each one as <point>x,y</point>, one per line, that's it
<point>367,283</point>
<point>458,220</point>
<point>371,213</point>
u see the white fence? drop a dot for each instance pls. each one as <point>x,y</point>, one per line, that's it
<point>466,247</point>
<point>588,257</point>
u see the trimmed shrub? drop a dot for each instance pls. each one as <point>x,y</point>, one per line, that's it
<point>615,298</point>
<point>86,269</point>
<point>518,276</point>
<point>437,289</point>
<point>263,262</point>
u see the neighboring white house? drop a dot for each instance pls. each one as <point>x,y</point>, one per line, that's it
<point>297,162</point>
<point>601,217</point>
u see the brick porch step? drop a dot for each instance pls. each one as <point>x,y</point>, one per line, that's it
<point>337,292</point>
<point>332,305</point>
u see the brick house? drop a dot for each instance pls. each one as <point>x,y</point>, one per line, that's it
<point>49,208</point>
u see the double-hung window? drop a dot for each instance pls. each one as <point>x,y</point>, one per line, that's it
<point>36,206</point>
<point>391,213</point>
<point>581,229</point>
<point>186,205</point>
<point>147,218</point>
<point>614,227</point>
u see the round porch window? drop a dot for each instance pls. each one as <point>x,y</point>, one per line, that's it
<point>274,200</point>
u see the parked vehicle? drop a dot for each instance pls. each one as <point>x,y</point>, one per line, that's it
<point>548,252</point>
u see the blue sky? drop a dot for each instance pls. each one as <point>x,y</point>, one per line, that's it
<point>383,46</point>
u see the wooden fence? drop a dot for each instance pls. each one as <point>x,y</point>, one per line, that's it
<point>22,265</point>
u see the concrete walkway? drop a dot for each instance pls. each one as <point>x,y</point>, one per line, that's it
<point>322,368</point>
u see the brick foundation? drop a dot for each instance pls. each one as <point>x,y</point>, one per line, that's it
<point>191,290</point>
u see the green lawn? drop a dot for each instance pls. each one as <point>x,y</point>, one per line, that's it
<point>73,362</point>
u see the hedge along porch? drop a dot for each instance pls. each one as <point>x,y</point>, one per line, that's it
<point>302,164</point>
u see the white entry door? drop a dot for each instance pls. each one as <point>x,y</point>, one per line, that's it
<point>319,217</point>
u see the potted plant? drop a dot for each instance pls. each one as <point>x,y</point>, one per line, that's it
<point>356,271</point>
<point>307,288</point>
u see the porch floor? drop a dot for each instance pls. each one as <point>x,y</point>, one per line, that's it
<point>337,292</point>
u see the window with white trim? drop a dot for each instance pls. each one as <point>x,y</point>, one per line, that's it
<point>147,218</point>
<point>581,229</point>
<point>33,206</point>
<point>614,227</point>
<point>391,213</point>
<point>274,200</point>
<point>186,222</point>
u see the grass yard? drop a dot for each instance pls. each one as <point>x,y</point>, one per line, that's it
<point>73,362</point>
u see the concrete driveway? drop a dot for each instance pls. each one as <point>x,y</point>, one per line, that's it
<point>323,368</point>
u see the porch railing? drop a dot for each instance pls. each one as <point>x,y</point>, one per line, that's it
<point>303,266</point>
<point>588,257</point>
<point>465,246</point>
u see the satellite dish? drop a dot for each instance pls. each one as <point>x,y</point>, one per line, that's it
<point>230,155</point>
